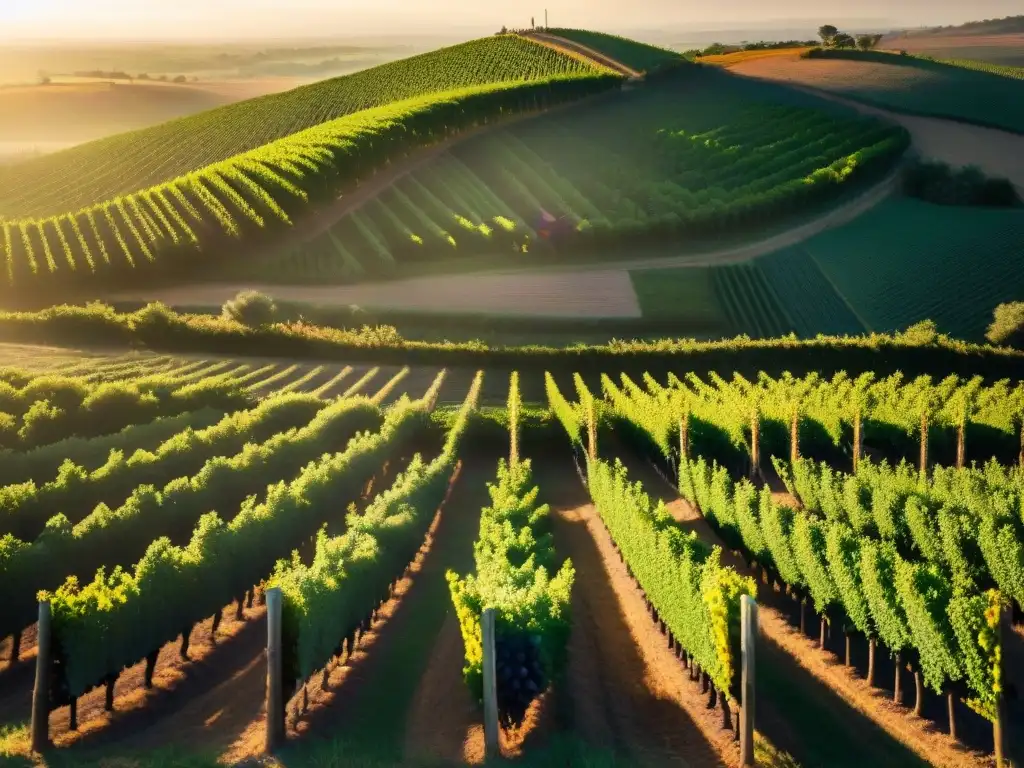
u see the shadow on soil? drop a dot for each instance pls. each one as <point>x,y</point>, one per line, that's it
<point>374,700</point>
<point>605,702</point>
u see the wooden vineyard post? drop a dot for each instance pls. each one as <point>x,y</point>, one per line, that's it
<point>755,444</point>
<point>41,693</point>
<point>490,684</point>
<point>857,442</point>
<point>923,460</point>
<point>275,690</point>
<point>1000,723</point>
<point>748,645</point>
<point>591,430</point>
<point>794,437</point>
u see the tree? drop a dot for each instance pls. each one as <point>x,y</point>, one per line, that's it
<point>826,33</point>
<point>1007,326</point>
<point>843,40</point>
<point>251,308</point>
<point>867,42</point>
<point>180,79</point>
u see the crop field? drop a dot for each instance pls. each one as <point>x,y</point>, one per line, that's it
<point>451,505</point>
<point>738,57</point>
<point>1002,49</point>
<point>678,161</point>
<point>907,260</point>
<point>969,91</point>
<point>728,300</point>
<point>899,263</point>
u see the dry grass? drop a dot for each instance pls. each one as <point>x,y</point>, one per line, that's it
<point>729,59</point>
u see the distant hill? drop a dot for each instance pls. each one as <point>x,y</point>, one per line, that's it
<point>1011,25</point>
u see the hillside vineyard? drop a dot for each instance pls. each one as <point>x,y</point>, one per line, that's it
<point>551,398</point>
<point>693,155</point>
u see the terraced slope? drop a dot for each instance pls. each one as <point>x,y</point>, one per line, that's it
<point>102,170</point>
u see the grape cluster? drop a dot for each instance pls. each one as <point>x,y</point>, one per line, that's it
<point>521,675</point>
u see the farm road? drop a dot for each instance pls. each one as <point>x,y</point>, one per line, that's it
<point>564,45</point>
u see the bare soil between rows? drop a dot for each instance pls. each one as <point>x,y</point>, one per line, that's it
<point>626,689</point>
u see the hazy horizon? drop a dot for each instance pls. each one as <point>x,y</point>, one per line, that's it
<point>239,20</point>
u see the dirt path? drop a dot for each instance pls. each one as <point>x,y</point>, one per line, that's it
<point>598,293</point>
<point>626,690</point>
<point>564,45</point>
<point>854,721</point>
<point>442,722</point>
<point>996,152</point>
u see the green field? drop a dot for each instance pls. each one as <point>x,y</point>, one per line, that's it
<point>692,157</point>
<point>907,260</point>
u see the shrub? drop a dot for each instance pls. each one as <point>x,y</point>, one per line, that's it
<point>251,308</point>
<point>1007,326</point>
<point>938,183</point>
<point>42,424</point>
<point>920,334</point>
<point>113,404</point>
<point>8,430</point>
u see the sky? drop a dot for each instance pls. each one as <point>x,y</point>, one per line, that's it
<point>263,19</point>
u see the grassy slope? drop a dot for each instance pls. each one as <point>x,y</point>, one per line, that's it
<point>80,176</point>
<point>634,54</point>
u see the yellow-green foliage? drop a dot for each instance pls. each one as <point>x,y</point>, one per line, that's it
<point>696,597</point>
<point>975,621</point>
<point>350,573</point>
<point>515,558</point>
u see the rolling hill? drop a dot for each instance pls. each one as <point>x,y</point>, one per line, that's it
<point>674,164</point>
<point>123,164</point>
<point>183,186</point>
